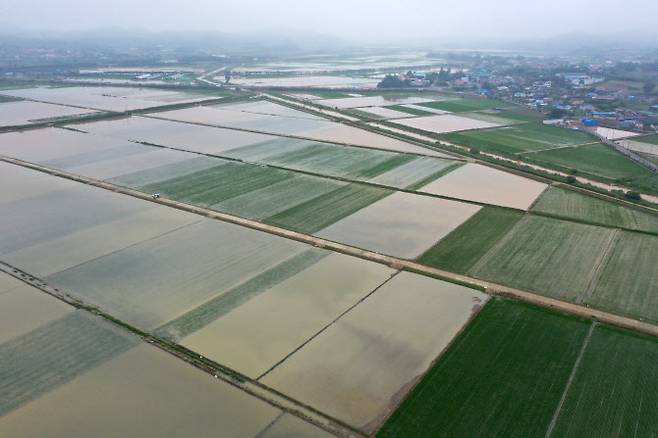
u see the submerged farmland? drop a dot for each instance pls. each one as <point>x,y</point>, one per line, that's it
<point>258,269</point>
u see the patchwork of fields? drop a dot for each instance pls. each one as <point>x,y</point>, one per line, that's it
<point>23,112</point>
<point>522,371</point>
<point>283,338</point>
<point>503,376</point>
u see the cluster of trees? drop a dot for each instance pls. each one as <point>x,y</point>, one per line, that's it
<point>395,81</point>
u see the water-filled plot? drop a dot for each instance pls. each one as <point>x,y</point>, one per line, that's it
<point>359,368</point>
<point>169,275</point>
<point>260,332</point>
<point>59,224</point>
<point>24,112</point>
<point>478,183</point>
<point>403,224</point>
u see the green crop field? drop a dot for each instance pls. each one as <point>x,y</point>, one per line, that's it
<point>548,256</point>
<point>520,114</point>
<point>628,283</point>
<point>412,111</point>
<point>54,354</point>
<point>572,205</point>
<point>502,377</point>
<point>467,104</point>
<point>211,186</point>
<point>341,161</point>
<point>267,201</point>
<point>464,246</point>
<point>598,160</point>
<point>320,212</point>
<point>519,138</point>
<point>615,389</point>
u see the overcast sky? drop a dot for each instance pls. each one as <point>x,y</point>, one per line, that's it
<point>364,19</point>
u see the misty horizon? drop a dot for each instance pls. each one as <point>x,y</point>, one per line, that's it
<point>367,21</point>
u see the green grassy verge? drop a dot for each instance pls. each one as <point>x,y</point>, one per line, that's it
<point>464,246</point>
<point>502,377</point>
<point>569,204</point>
<point>318,213</point>
<point>615,390</point>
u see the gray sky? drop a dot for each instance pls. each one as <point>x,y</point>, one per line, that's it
<point>364,19</point>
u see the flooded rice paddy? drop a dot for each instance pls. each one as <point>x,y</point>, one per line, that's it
<point>25,112</point>
<point>83,222</point>
<point>320,130</point>
<point>308,81</point>
<point>440,124</point>
<point>268,108</point>
<point>7,282</point>
<point>24,308</point>
<point>90,155</point>
<point>288,314</point>
<point>104,98</point>
<point>171,274</point>
<point>141,392</point>
<point>478,183</point>
<point>614,134</point>
<point>639,146</point>
<point>403,225</point>
<point>384,113</point>
<point>287,426</point>
<point>31,184</point>
<point>361,367</point>
<point>202,139</point>
<point>426,109</point>
<point>370,101</point>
